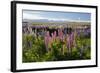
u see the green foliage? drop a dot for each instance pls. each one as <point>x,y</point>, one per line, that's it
<point>34,50</point>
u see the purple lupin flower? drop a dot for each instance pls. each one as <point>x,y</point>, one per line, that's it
<point>74,41</point>
<point>70,41</point>
<point>78,32</point>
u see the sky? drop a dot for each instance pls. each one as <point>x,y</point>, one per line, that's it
<point>56,16</point>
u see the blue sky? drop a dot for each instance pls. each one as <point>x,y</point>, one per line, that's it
<point>56,16</point>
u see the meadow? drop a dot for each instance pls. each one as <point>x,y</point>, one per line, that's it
<point>45,43</point>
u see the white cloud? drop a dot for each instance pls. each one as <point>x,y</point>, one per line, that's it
<point>31,16</point>
<point>57,19</point>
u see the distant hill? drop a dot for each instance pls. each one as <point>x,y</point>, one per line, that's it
<point>45,21</point>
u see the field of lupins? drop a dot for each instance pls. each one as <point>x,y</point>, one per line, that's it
<point>42,44</point>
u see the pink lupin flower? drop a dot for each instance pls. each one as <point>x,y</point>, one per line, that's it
<point>60,34</point>
<point>68,42</point>
<point>47,38</point>
<point>54,35</point>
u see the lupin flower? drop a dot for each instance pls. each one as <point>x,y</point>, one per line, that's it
<point>60,34</point>
<point>54,35</point>
<point>70,40</point>
<point>47,39</point>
